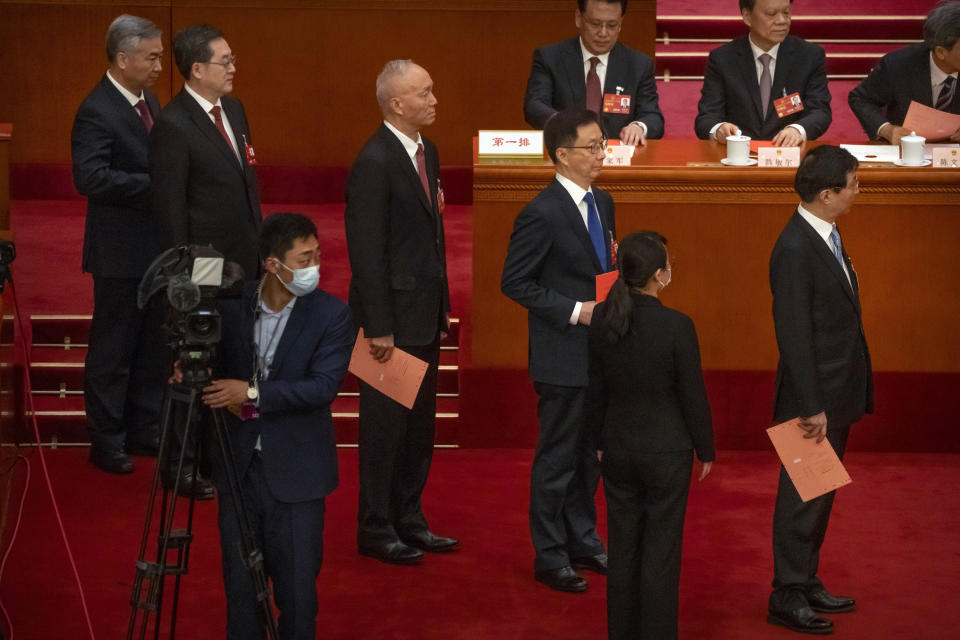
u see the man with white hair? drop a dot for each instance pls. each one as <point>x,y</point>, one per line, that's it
<point>400,298</point>
<point>109,142</point>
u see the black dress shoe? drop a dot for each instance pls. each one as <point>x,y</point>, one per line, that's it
<point>149,448</point>
<point>427,541</point>
<point>802,620</point>
<point>824,602</point>
<point>597,563</point>
<point>392,553</point>
<point>111,461</point>
<point>198,488</point>
<point>562,579</point>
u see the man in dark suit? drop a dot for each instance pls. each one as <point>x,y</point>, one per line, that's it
<point>201,155</point>
<point>925,73</point>
<point>823,377</point>
<point>284,352</point>
<point>582,72</point>
<point>400,299</point>
<point>124,374</point>
<point>560,242</point>
<point>746,78</point>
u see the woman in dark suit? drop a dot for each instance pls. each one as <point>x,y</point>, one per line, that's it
<point>647,403</point>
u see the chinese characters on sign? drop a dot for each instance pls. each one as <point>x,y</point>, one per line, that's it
<point>507,144</point>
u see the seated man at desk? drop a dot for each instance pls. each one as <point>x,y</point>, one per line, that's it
<point>598,73</point>
<point>767,84</point>
<point>925,73</point>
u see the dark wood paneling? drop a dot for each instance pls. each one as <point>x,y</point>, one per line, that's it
<point>307,69</point>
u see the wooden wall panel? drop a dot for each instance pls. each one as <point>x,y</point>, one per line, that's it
<point>306,69</point>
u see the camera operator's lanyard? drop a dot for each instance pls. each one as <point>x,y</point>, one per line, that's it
<point>260,368</point>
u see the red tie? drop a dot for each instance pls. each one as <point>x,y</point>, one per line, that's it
<point>594,93</point>
<point>218,120</point>
<point>145,114</point>
<point>422,170</point>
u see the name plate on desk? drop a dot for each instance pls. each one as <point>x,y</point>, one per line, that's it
<point>618,155</point>
<point>510,144</point>
<point>778,157</point>
<point>946,158</point>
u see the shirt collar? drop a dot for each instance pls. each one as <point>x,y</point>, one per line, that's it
<point>587,55</point>
<point>132,98</point>
<point>821,226</point>
<point>409,144</point>
<point>757,51</point>
<point>283,312</point>
<point>576,191</point>
<point>938,75</point>
<point>205,104</point>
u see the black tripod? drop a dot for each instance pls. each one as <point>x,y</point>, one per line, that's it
<point>147,596</point>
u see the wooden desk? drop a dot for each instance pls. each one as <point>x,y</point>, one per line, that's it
<point>721,224</point>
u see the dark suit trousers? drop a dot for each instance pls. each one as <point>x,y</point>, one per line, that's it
<point>290,534</point>
<point>798,531</point>
<point>396,447</point>
<point>563,480</point>
<point>646,505</point>
<point>124,372</point>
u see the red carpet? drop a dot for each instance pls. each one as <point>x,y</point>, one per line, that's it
<point>892,544</point>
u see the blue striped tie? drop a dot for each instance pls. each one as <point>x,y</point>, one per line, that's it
<point>837,247</point>
<point>946,94</point>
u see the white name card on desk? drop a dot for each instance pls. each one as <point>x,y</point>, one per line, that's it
<point>778,157</point>
<point>510,144</point>
<point>618,155</point>
<point>946,158</point>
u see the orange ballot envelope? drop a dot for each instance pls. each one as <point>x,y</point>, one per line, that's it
<point>814,468</point>
<point>604,282</point>
<point>930,123</point>
<point>399,377</point>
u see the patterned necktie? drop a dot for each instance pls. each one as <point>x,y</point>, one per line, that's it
<point>946,94</point>
<point>218,120</point>
<point>594,93</point>
<point>766,83</point>
<point>837,246</point>
<point>145,114</point>
<point>422,170</point>
<point>595,229</point>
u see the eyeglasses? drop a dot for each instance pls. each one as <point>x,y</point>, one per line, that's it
<point>855,186</point>
<point>229,62</point>
<point>593,147</point>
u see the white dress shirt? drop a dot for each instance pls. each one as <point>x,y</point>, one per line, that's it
<point>206,105</point>
<point>409,144</point>
<point>131,98</point>
<point>577,193</point>
<point>757,52</point>
<point>602,74</point>
<point>823,229</point>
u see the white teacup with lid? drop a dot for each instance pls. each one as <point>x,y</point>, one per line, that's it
<point>738,149</point>
<point>911,149</point>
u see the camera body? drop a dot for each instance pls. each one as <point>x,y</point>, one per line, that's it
<point>194,277</point>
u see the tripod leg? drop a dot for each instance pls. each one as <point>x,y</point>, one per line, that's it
<point>252,554</point>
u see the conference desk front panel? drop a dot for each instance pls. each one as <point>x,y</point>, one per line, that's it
<point>721,224</point>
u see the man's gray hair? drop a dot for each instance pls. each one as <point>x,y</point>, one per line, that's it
<point>391,70</point>
<point>125,34</point>
<point>942,26</point>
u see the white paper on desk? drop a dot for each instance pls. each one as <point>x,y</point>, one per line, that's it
<point>928,148</point>
<point>930,123</point>
<point>618,155</point>
<point>873,152</point>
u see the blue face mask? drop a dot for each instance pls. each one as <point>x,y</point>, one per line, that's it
<point>304,280</point>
